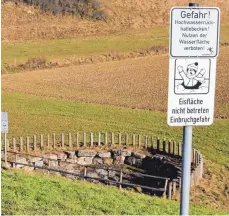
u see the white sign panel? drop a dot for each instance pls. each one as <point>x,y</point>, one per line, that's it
<point>194,32</point>
<point>191,91</point>
<point>4,122</point>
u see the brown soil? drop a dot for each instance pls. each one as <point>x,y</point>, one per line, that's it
<point>136,83</point>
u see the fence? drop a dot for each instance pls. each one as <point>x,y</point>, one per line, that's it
<point>91,140</point>
<point>84,139</point>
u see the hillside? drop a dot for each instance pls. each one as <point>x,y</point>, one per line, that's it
<point>22,22</point>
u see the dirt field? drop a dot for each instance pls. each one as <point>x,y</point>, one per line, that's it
<point>136,83</point>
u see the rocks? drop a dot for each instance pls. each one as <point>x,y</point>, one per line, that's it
<point>93,175</point>
<point>71,160</point>
<point>84,160</point>
<point>21,160</point>
<point>39,163</point>
<point>111,173</point>
<point>50,163</point>
<point>33,159</point>
<point>86,153</point>
<point>50,156</point>
<point>102,172</point>
<point>97,160</point>
<point>104,154</point>
<point>119,160</point>
<point>138,155</point>
<point>108,161</point>
<point>71,154</point>
<point>130,161</point>
<point>125,152</point>
<point>61,156</point>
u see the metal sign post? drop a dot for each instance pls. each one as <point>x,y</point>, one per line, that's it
<point>186,170</point>
<point>4,129</point>
<point>194,46</point>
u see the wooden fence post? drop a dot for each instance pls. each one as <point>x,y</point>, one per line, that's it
<point>27,144</point>
<point>84,139</point>
<point>54,140</point>
<point>174,188</point>
<point>106,140</point>
<point>15,160</point>
<point>174,147</point>
<point>62,140</point>
<point>179,149</point>
<point>70,140</point>
<point>92,141</point>
<point>170,190</point>
<point>99,139</point>
<point>179,183</point>
<point>48,141</point>
<point>120,139</point>
<point>14,145</point>
<point>21,144</point>
<point>112,138</point>
<point>152,141</point>
<point>158,144</point>
<point>169,147</point>
<point>193,156</point>
<point>133,139</point>
<point>77,139</point>
<point>127,141</point>
<point>120,185</point>
<point>139,140</point>
<point>165,188</point>
<point>42,141</point>
<point>85,173</point>
<point>34,143</point>
<point>146,142</point>
<point>164,145</point>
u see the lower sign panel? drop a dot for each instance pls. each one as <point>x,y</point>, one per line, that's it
<point>191,91</point>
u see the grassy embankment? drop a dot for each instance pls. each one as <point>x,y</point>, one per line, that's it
<point>34,193</point>
<point>59,49</point>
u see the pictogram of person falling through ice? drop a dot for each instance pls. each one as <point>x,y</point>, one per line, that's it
<point>192,79</point>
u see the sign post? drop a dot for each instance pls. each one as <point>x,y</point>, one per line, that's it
<point>194,45</point>
<point>4,129</point>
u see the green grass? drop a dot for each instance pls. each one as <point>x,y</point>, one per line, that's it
<point>36,194</point>
<point>83,46</point>
<point>30,115</point>
<point>59,49</point>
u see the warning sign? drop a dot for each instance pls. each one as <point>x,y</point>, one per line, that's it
<point>191,91</point>
<point>194,32</point>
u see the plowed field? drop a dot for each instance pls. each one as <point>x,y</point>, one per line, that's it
<point>135,83</point>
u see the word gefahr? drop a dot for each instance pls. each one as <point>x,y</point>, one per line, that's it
<point>193,14</point>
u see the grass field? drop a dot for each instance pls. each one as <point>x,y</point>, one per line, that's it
<point>33,193</point>
<point>33,114</point>
<point>59,49</point>
<point>136,83</point>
